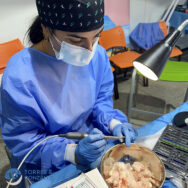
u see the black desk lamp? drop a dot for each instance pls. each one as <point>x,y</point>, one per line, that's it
<point>151,63</point>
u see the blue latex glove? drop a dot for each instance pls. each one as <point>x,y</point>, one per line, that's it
<point>127,130</point>
<point>168,184</point>
<point>91,147</point>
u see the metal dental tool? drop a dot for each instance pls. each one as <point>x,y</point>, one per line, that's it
<point>79,136</point>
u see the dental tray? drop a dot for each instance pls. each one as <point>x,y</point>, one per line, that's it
<point>172,148</point>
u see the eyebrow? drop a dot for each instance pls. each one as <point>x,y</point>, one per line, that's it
<point>76,36</point>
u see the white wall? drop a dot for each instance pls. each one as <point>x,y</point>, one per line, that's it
<point>147,11</point>
<point>15,18</point>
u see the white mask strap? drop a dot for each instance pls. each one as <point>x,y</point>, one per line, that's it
<point>55,51</point>
<point>57,39</point>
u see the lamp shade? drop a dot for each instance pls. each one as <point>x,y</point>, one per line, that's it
<point>151,63</point>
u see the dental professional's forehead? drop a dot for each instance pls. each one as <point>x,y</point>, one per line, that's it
<point>81,35</point>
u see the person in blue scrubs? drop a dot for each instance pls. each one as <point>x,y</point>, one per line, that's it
<point>62,83</point>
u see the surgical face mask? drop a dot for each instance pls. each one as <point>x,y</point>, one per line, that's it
<point>74,55</point>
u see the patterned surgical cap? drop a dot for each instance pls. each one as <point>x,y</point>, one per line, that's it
<point>71,15</point>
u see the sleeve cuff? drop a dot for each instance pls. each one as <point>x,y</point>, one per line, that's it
<point>113,123</point>
<point>70,153</point>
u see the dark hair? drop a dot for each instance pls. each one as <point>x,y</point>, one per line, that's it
<point>35,33</point>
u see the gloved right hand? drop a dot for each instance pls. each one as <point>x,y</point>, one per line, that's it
<point>90,148</point>
<point>127,130</point>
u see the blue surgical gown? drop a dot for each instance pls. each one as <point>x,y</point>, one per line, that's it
<point>43,96</point>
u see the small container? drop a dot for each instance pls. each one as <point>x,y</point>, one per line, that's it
<point>142,154</point>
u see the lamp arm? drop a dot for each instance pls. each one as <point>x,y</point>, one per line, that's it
<point>172,38</point>
<point>181,27</point>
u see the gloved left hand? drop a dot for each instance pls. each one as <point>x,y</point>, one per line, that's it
<point>127,130</point>
<point>91,147</point>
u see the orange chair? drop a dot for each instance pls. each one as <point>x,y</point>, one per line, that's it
<point>175,51</point>
<point>7,50</point>
<point>110,39</point>
<point>115,38</point>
